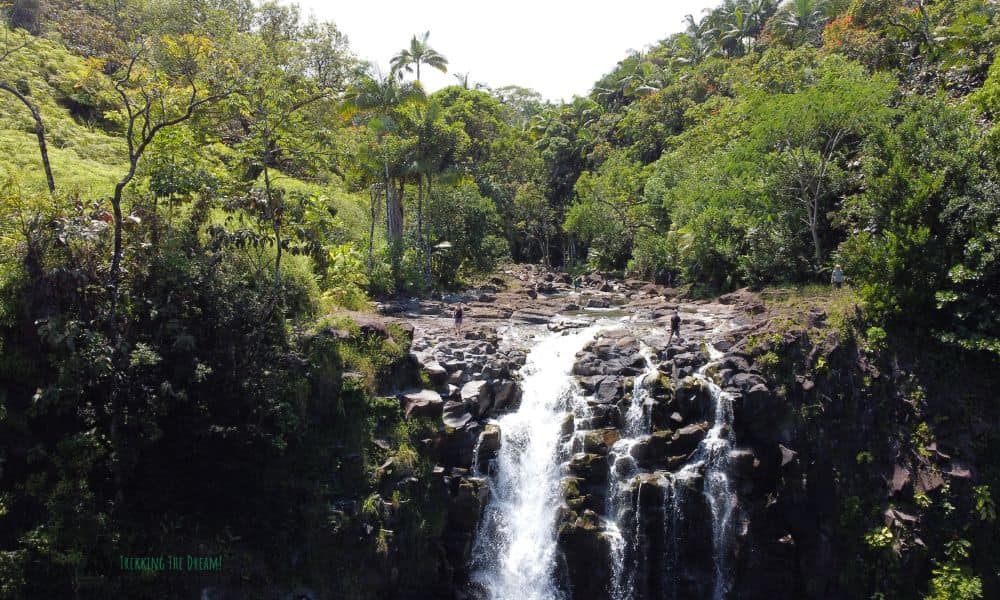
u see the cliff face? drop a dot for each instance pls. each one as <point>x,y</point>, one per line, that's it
<point>776,451</point>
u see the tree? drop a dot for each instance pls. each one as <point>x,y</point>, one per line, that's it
<point>800,21</point>
<point>417,54</point>
<point>283,78</point>
<point>11,88</point>
<point>381,98</point>
<point>810,132</point>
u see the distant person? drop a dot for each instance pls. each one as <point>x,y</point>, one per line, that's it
<point>837,277</point>
<point>459,316</point>
<point>675,326</point>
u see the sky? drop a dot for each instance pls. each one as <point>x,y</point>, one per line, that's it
<point>556,47</point>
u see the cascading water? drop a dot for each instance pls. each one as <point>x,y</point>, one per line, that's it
<point>711,459</point>
<point>515,549</point>
<point>515,554</point>
<point>637,426</point>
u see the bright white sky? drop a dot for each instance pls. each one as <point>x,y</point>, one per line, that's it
<point>557,47</point>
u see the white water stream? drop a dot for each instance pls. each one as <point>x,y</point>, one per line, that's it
<point>514,554</point>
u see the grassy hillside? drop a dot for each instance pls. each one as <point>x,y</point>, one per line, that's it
<point>85,158</point>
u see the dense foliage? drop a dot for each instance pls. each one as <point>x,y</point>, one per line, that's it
<point>227,175</point>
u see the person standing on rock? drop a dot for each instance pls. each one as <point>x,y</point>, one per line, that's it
<point>675,326</point>
<point>837,277</point>
<point>459,315</point>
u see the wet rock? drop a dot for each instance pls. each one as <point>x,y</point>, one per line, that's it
<point>686,439</point>
<point>586,553</point>
<point>608,391</point>
<point>465,508</point>
<point>694,399</point>
<point>457,445</point>
<point>567,426</point>
<point>653,451</point>
<point>565,324</point>
<point>598,303</point>
<point>422,403</point>
<point>588,364</point>
<point>742,463</point>
<point>599,441</point>
<point>506,394</point>
<point>488,446</point>
<point>591,467</point>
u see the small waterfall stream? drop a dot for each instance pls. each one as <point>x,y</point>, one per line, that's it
<point>624,518</point>
<point>711,459</point>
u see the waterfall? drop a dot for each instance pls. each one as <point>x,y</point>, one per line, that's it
<point>515,549</point>
<point>712,460</point>
<point>515,553</point>
<point>625,560</point>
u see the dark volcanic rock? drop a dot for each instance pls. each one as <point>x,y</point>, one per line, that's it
<point>586,554</point>
<point>422,403</point>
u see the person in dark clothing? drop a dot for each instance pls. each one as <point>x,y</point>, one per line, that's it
<point>459,315</point>
<point>675,325</point>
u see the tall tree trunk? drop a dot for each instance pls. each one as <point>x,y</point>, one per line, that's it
<point>275,213</point>
<point>427,249</point>
<point>373,200</point>
<point>39,133</point>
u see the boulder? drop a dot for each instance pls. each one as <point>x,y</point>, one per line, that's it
<point>591,467</point>
<point>686,439</point>
<point>608,391</point>
<point>479,396</point>
<point>487,446</point>
<point>586,553</point>
<point>456,414</point>
<point>437,373</point>
<point>599,441</point>
<point>653,450</point>
<point>422,403</point>
<point>506,395</point>
<point>567,426</point>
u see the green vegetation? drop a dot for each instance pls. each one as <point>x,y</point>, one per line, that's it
<point>178,345</point>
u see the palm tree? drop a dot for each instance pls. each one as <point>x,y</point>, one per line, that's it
<point>739,31</point>
<point>381,97</point>
<point>419,53</point>
<point>801,18</point>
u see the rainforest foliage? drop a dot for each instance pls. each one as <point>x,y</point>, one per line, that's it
<point>190,188</point>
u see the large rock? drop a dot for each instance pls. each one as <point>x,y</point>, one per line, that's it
<point>589,466</point>
<point>488,446</point>
<point>686,439</point>
<point>608,391</point>
<point>456,414</point>
<point>506,395</point>
<point>465,508</point>
<point>586,553</point>
<point>422,403</point>
<point>599,441</point>
<point>479,396</point>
